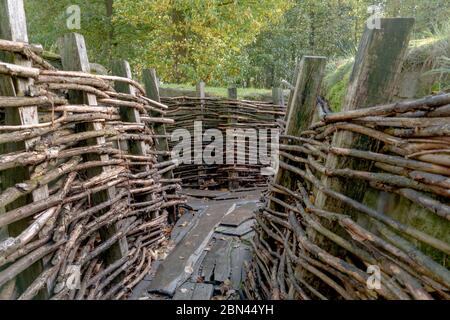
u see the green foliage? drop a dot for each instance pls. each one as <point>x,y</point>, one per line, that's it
<point>330,28</point>
<point>189,40</point>
<point>246,42</point>
<point>335,84</point>
<point>46,23</point>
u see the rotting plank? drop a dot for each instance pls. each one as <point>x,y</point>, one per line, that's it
<point>184,256</point>
<point>74,58</point>
<point>239,254</point>
<point>239,231</point>
<point>13,27</point>
<point>222,270</point>
<point>240,215</point>
<point>202,291</point>
<point>185,291</point>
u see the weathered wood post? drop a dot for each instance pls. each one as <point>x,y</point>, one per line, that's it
<point>122,69</point>
<point>74,58</point>
<point>303,105</point>
<point>277,96</point>
<point>13,27</point>
<point>291,91</point>
<point>373,81</point>
<point>233,175</point>
<point>232,92</point>
<point>198,140</point>
<point>162,145</point>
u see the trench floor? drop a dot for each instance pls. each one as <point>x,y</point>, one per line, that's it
<point>209,249</point>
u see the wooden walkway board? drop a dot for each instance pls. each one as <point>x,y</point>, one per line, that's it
<point>239,215</point>
<point>203,291</point>
<point>240,231</point>
<point>204,259</point>
<point>172,270</point>
<point>211,194</point>
<point>239,254</point>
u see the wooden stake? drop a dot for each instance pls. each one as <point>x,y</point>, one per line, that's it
<point>302,106</point>
<point>373,81</point>
<point>74,58</point>
<point>13,27</point>
<point>232,93</point>
<point>122,69</point>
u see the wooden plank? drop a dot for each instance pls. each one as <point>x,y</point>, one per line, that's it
<point>239,254</point>
<point>209,263</point>
<point>222,270</point>
<point>373,81</point>
<point>211,194</point>
<point>13,27</point>
<point>240,231</point>
<point>184,224</point>
<point>203,291</point>
<point>184,256</point>
<point>240,215</point>
<point>185,291</point>
<point>74,58</point>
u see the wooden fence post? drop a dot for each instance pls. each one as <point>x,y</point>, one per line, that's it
<point>201,93</point>
<point>13,27</point>
<point>162,144</point>
<point>74,58</point>
<point>233,175</point>
<point>277,96</point>
<point>303,105</point>
<point>373,81</point>
<point>232,92</point>
<point>122,69</point>
<point>291,91</point>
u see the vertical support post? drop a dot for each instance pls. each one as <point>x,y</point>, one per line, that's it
<point>291,92</point>
<point>13,27</point>
<point>277,96</point>
<point>74,58</point>
<point>122,69</point>
<point>303,106</point>
<point>233,183</point>
<point>152,90</point>
<point>201,93</point>
<point>373,81</point>
<point>232,93</point>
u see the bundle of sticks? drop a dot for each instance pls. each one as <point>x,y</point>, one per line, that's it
<point>102,220</point>
<point>391,243</point>
<point>223,114</point>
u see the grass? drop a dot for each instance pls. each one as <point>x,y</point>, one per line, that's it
<point>429,57</point>
<point>221,91</point>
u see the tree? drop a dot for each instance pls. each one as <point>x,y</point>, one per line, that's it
<point>189,40</point>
